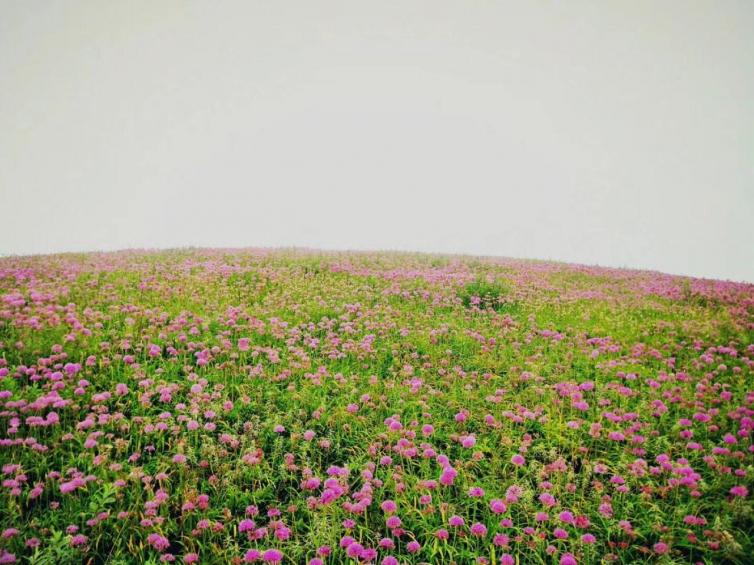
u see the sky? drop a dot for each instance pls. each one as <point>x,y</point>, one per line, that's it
<point>615,133</point>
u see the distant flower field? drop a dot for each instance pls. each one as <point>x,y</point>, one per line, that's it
<point>249,406</point>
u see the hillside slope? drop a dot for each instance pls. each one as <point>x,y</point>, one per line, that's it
<point>220,406</point>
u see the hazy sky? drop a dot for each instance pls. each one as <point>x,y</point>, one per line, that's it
<point>615,133</point>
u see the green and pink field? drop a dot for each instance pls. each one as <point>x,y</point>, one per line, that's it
<point>256,406</point>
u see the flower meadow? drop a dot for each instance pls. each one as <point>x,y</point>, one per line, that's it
<point>257,406</point>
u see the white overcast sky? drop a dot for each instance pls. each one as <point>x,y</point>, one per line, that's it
<point>617,133</point>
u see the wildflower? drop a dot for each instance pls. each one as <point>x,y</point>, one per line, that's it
<point>512,494</point>
<point>468,441</point>
<point>547,499</point>
<point>739,490</point>
<point>476,492</point>
<point>78,540</point>
<point>498,506</point>
<point>413,546</point>
<point>354,550</point>
<point>388,506</point>
<point>660,548</point>
<point>158,542</point>
<point>566,517</point>
<point>448,476</point>
<point>560,533</point>
<point>246,525</point>
<point>478,530</point>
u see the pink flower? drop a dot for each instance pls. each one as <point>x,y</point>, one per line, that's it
<point>272,556</point>
<point>71,486</point>
<point>660,547</point>
<point>518,460</point>
<point>246,525</point>
<point>498,506</point>
<point>393,522</point>
<point>468,441</point>
<point>512,494</point>
<point>476,492</point>
<point>160,543</point>
<point>442,533</point>
<point>500,540</point>
<point>79,540</point>
<point>448,476</point>
<point>739,490</point>
<point>547,499</point>
<point>386,543</point>
<point>560,533</point>
<point>354,550</point>
<point>345,541</point>
<point>478,529</point>
<point>389,506</point>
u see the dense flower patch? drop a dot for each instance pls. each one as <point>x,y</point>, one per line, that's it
<point>256,407</point>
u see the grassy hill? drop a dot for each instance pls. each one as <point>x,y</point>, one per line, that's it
<point>228,406</point>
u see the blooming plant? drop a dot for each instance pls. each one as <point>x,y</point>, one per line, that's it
<point>248,406</point>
